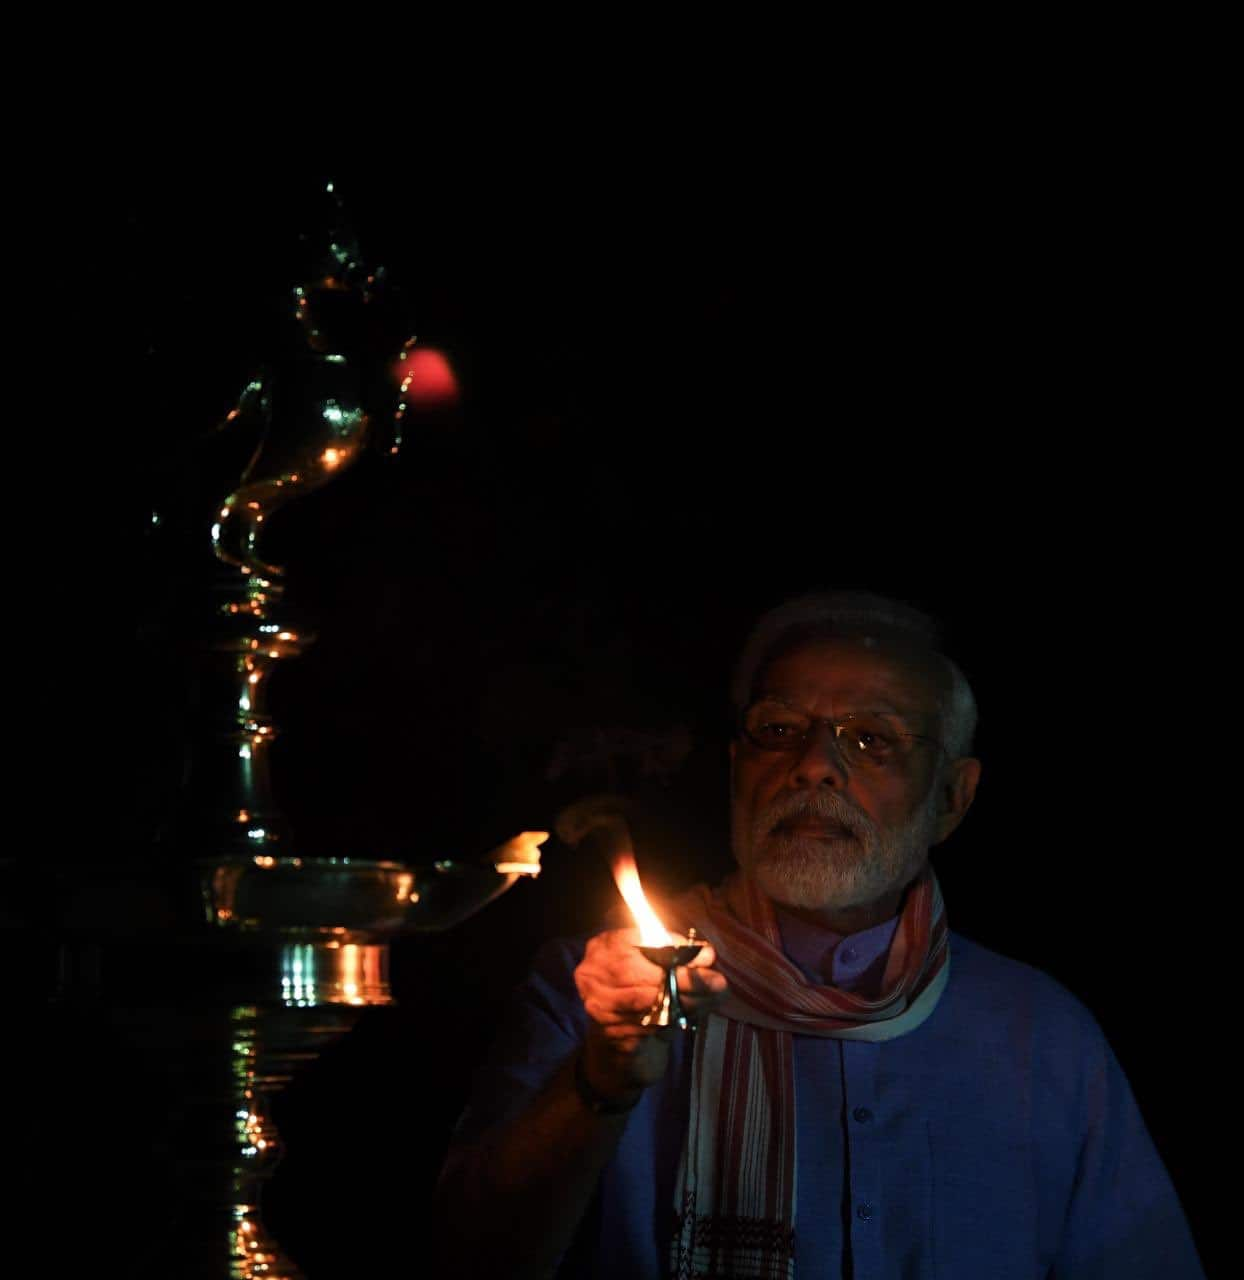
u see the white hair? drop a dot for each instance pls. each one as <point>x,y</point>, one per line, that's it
<point>857,615</point>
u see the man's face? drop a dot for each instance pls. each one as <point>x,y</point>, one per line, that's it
<point>816,832</point>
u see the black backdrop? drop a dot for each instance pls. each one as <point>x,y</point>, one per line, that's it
<point>674,414</point>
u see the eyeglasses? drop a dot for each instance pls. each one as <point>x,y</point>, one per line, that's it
<point>863,739</point>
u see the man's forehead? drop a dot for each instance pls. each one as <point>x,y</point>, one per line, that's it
<point>870,667</point>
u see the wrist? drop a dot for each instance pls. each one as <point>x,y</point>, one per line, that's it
<point>593,1099</point>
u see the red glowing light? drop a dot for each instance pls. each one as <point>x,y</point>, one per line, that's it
<point>426,379</point>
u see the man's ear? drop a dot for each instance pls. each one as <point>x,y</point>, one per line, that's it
<point>957,790</point>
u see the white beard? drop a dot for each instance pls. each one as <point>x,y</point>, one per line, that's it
<point>799,870</point>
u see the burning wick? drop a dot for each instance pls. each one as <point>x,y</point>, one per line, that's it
<point>667,951</point>
<point>520,856</point>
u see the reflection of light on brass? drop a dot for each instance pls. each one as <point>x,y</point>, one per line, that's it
<point>350,957</point>
<point>285,635</point>
<point>652,932</point>
<point>244,815</point>
<point>253,678</point>
<point>331,457</point>
<point>265,860</point>
<point>223,913</point>
<point>404,881</point>
<point>254,506</point>
<point>298,975</point>
<point>518,868</point>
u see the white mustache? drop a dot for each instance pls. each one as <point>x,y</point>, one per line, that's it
<point>817,807</point>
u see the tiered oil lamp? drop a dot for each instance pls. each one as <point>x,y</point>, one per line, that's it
<point>225,959</point>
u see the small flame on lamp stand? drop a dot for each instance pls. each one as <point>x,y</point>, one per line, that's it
<point>667,951</point>
<point>520,856</point>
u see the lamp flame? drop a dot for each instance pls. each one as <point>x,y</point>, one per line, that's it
<point>652,932</point>
<point>520,856</point>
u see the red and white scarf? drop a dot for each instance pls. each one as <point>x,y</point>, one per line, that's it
<point>735,1193</point>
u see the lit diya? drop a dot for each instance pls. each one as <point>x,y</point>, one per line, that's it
<point>664,949</point>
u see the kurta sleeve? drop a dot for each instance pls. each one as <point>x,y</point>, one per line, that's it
<point>543,1024</point>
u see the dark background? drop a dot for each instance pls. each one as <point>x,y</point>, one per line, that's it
<point>679,407</point>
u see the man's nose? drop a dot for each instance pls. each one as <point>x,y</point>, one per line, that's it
<point>819,762</point>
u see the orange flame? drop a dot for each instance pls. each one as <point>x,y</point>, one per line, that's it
<point>520,856</point>
<point>652,932</point>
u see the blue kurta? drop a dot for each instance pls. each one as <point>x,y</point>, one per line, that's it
<point>999,1140</point>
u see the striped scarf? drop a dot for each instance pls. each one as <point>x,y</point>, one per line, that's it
<point>735,1193</point>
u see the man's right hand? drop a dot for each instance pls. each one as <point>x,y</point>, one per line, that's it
<point>618,986</point>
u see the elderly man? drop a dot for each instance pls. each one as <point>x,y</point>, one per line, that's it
<point>866,1094</point>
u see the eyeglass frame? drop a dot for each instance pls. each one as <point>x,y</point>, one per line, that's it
<point>836,726</point>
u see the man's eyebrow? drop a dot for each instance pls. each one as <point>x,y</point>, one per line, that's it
<point>880,706</point>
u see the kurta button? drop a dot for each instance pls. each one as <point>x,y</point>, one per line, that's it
<point>862,1114</point>
<point>864,1212</point>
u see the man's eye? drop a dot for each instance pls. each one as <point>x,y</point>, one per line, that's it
<point>773,727</point>
<point>872,742</point>
<point>776,731</point>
